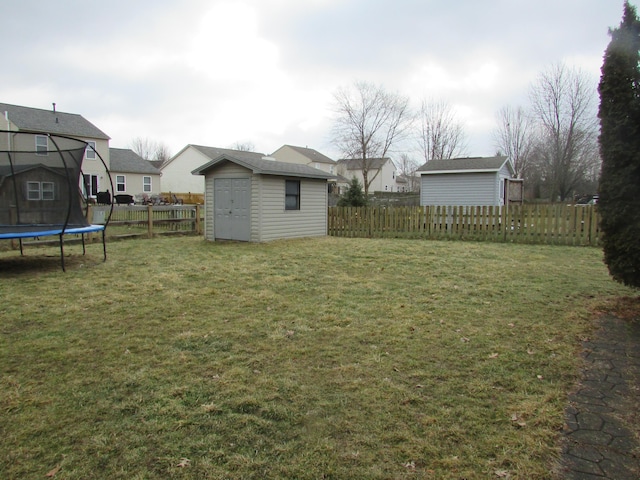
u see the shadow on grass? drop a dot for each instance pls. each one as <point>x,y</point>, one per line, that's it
<point>32,264</point>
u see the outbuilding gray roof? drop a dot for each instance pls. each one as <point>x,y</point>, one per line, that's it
<point>464,165</point>
<point>50,121</point>
<point>264,166</point>
<point>125,160</point>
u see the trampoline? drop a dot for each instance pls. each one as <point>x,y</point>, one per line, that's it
<point>42,190</point>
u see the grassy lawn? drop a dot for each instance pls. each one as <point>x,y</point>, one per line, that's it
<point>322,358</point>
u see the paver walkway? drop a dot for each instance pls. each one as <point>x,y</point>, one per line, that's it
<point>603,419</point>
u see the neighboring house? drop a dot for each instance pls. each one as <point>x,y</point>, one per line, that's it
<point>260,199</point>
<point>310,157</point>
<point>305,156</point>
<point>15,118</point>
<point>466,181</point>
<point>176,172</point>
<point>382,173</point>
<point>132,174</point>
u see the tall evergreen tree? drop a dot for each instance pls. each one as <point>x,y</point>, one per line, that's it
<point>619,201</point>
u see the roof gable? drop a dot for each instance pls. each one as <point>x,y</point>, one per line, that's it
<point>309,153</point>
<point>211,153</point>
<point>50,121</point>
<point>466,165</point>
<point>127,161</point>
<point>263,166</point>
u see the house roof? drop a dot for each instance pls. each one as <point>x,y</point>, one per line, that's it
<point>313,155</point>
<point>49,121</point>
<point>127,161</point>
<point>213,152</point>
<point>356,163</point>
<point>465,165</point>
<point>264,166</point>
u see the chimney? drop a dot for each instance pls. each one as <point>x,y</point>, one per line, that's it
<point>54,107</point>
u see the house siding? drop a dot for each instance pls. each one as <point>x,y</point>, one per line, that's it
<point>134,183</point>
<point>460,189</point>
<point>176,175</point>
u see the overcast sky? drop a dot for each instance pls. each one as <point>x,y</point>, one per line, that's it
<point>218,72</point>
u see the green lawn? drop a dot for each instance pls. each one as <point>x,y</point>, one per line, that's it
<point>320,358</point>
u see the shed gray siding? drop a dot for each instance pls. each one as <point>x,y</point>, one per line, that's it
<point>276,222</point>
<point>460,189</point>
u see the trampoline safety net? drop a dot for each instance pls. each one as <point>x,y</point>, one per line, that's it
<point>40,185</point>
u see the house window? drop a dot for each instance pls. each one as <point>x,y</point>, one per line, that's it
<point>40,191</point>
<point>90,151</point>
<point>292,195</point>
<point>42,145</point>
<point>47,190</point>
<point>120,184</point>
<point>146,184</point>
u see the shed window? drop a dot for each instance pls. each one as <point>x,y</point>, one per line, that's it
<point>146,184</point>
<point>42,145</point>
<point>292,195</point>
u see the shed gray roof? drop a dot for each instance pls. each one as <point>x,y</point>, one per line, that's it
<point>264,166</point>
<point>311,154</point>
<point>465,165</point>
<point>127,161</point>
<point>48,121</point>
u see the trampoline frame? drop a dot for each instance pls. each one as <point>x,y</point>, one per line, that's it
<point>43,230</point>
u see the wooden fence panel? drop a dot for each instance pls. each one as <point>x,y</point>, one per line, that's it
<point>550,224</point>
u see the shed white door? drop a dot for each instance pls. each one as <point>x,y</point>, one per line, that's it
<point>231,200</point>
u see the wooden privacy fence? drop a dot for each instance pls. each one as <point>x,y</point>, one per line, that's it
<point>549,224</point>
<point>134,220</point>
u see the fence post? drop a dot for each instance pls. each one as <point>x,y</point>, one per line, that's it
<point>150,221</point>
<point>198,226</point>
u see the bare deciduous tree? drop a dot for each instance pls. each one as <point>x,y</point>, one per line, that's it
<point>244,146</point>
<point>513,138</point>
<point>368,122</point>
<point>150,149</point>
<point>440,134</point>
<point>563,105</point>
<point>407,167</point>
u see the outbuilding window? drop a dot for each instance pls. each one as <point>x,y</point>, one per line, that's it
<point>292,195</point>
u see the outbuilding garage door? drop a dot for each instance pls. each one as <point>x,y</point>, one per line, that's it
<point>232,199</point>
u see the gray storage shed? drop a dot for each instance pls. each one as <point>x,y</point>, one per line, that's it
<point>470,181</point>
<point>260,199</point>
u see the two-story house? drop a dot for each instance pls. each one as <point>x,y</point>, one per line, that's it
<point>381,173</point>
<point>43,122</point>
